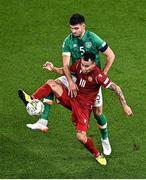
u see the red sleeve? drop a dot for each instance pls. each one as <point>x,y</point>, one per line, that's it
<point>73,68</point>
<point>102,79</point>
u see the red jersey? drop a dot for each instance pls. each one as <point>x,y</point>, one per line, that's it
<point>89,83</point>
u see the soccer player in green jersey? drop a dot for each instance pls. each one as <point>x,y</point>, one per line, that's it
<point>74,46</point>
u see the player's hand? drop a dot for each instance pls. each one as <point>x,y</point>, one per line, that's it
<point>48,65</point>
<point>72,89</point>
<point>128,110</point>
<point>105,73</point>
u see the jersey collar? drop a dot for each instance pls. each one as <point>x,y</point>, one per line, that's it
<point>84,35</point>
<point>81,38</point>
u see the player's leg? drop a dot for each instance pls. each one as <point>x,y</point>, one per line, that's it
<point>102,123</point>
<point>90,146</point>
<point>45,115</point>
<point>26,98</point>
<point>40,93</point>
<point>42,123</point>
<point>80,118</point>
<point>43,91</point>
<point>48,101</point>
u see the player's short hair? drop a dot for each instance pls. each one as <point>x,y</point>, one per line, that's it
<point>89,56</point>
<point>76,19</point>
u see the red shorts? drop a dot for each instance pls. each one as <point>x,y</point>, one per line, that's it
<point>80,113</point>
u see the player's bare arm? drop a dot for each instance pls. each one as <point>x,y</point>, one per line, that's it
<point>50,67</point>
<point>120,94</point>
<point>72,89</point>
<point>110,57</point>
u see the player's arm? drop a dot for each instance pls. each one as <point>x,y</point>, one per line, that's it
<point>66,56</point>
<point>72,89</point>
<point>105,82</point>
<point>122,99</point>
<point>103,47</point>
<point>110,57</point>
<point>50,67</point>
<point>66,62</point>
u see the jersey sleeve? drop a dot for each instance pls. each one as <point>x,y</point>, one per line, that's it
<point>103,80</point>
<point>100,44</point>
<point>65,47</point>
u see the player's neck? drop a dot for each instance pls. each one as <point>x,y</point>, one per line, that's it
<point>82,34</point>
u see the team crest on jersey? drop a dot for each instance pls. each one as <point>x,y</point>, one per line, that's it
<point>90,79</point>
<point>88,44</point>
<point>75,45</point>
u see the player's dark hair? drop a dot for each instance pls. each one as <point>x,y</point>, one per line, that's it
<point>76,19</point>
<point>89,56</point>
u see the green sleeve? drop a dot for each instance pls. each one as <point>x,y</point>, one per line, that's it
<point>98,42</point>
<point>65,46</point>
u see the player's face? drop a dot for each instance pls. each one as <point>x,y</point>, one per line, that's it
<point>87,66</point>
<point>78,29</point>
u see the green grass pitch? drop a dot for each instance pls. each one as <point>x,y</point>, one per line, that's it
<point>31,32</point>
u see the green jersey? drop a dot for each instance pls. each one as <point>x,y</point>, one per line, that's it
<point>75,46</point>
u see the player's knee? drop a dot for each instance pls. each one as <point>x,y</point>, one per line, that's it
<point>58,81</point>
<point>52,84</point>
<point>81,137</point>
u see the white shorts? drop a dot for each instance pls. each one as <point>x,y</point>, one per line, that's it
<point>99,99</point>
<point>64,80</point>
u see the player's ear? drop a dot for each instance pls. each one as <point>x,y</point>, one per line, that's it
<point>84,25</point>
<point>93,64</point>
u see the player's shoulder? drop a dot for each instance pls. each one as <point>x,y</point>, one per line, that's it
<point>94,38</point>
<point>92,34</point>
<point>78,62</point>
<point>69,37</point>
<point>97,70</point>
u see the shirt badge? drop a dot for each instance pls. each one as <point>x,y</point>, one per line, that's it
<point>90,79</point>
<point>88,44</point>
<point>75,45</point>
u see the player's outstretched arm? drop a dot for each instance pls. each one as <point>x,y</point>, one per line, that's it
<point>110,57</point>
<point>50,67</point>
<point>120,94</point>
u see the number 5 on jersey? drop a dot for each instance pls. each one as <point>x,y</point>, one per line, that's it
<point>82,50</point>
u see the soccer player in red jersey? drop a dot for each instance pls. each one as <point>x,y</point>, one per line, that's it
<point>89,79</point>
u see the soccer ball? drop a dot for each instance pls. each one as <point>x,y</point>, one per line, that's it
<point>35,107</point>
